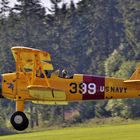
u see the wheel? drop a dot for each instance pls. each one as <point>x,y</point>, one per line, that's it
<point>19,121</point>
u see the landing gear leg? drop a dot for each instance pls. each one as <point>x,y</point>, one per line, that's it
<point>19,121</point>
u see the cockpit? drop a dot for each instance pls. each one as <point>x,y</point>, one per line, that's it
<point>61,74</point>
<point>57,73</point>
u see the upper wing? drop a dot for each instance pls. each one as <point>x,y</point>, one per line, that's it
<point>27,57</point>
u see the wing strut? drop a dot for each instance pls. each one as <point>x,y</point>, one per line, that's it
<point>38,67</point>
<point>32,60</point>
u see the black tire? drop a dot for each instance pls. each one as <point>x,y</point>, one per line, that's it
<point>19,121</point>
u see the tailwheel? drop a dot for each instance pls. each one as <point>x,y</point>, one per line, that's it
<point>19,121</point>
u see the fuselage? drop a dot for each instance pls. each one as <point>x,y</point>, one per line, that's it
<point>76,88</point>
<point>32,81</point>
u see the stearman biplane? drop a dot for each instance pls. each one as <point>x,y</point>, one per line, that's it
<point>31,82</point>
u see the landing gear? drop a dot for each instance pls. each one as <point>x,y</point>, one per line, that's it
<point>19,121</point>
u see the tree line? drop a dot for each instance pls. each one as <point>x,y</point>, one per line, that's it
<point>93,37</point>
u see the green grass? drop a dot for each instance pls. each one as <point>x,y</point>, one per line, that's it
<point>116,132</point>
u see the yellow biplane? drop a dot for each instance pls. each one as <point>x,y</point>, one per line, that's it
<point>32,82</point>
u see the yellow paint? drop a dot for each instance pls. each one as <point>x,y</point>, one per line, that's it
<point>77,96</point>
<point>126,90</point>
<point>33,83</point>
<point>45,93</point>
<point>51,102</point>
<point>20,105</point>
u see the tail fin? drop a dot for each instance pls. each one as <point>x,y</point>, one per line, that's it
<point>135,76</point>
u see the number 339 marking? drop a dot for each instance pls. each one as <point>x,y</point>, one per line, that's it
<point>83,88</point>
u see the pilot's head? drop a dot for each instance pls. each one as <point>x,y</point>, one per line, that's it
<point>64,72</point>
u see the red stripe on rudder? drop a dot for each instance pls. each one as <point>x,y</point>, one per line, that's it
<point>99,81</point>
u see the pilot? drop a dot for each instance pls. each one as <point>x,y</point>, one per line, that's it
<point>64,73</point>
<point>46,72</point>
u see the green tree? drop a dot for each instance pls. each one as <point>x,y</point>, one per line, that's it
<point>5,38</point>
<point>30,26</point>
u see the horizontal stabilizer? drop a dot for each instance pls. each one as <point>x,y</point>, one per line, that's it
<point>132,81</point>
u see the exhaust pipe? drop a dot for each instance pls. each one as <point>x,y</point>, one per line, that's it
<point>1,96</point>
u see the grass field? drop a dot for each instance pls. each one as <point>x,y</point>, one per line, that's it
<point>117,132</point>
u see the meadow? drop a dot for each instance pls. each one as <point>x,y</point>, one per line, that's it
<point>104,132</point>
